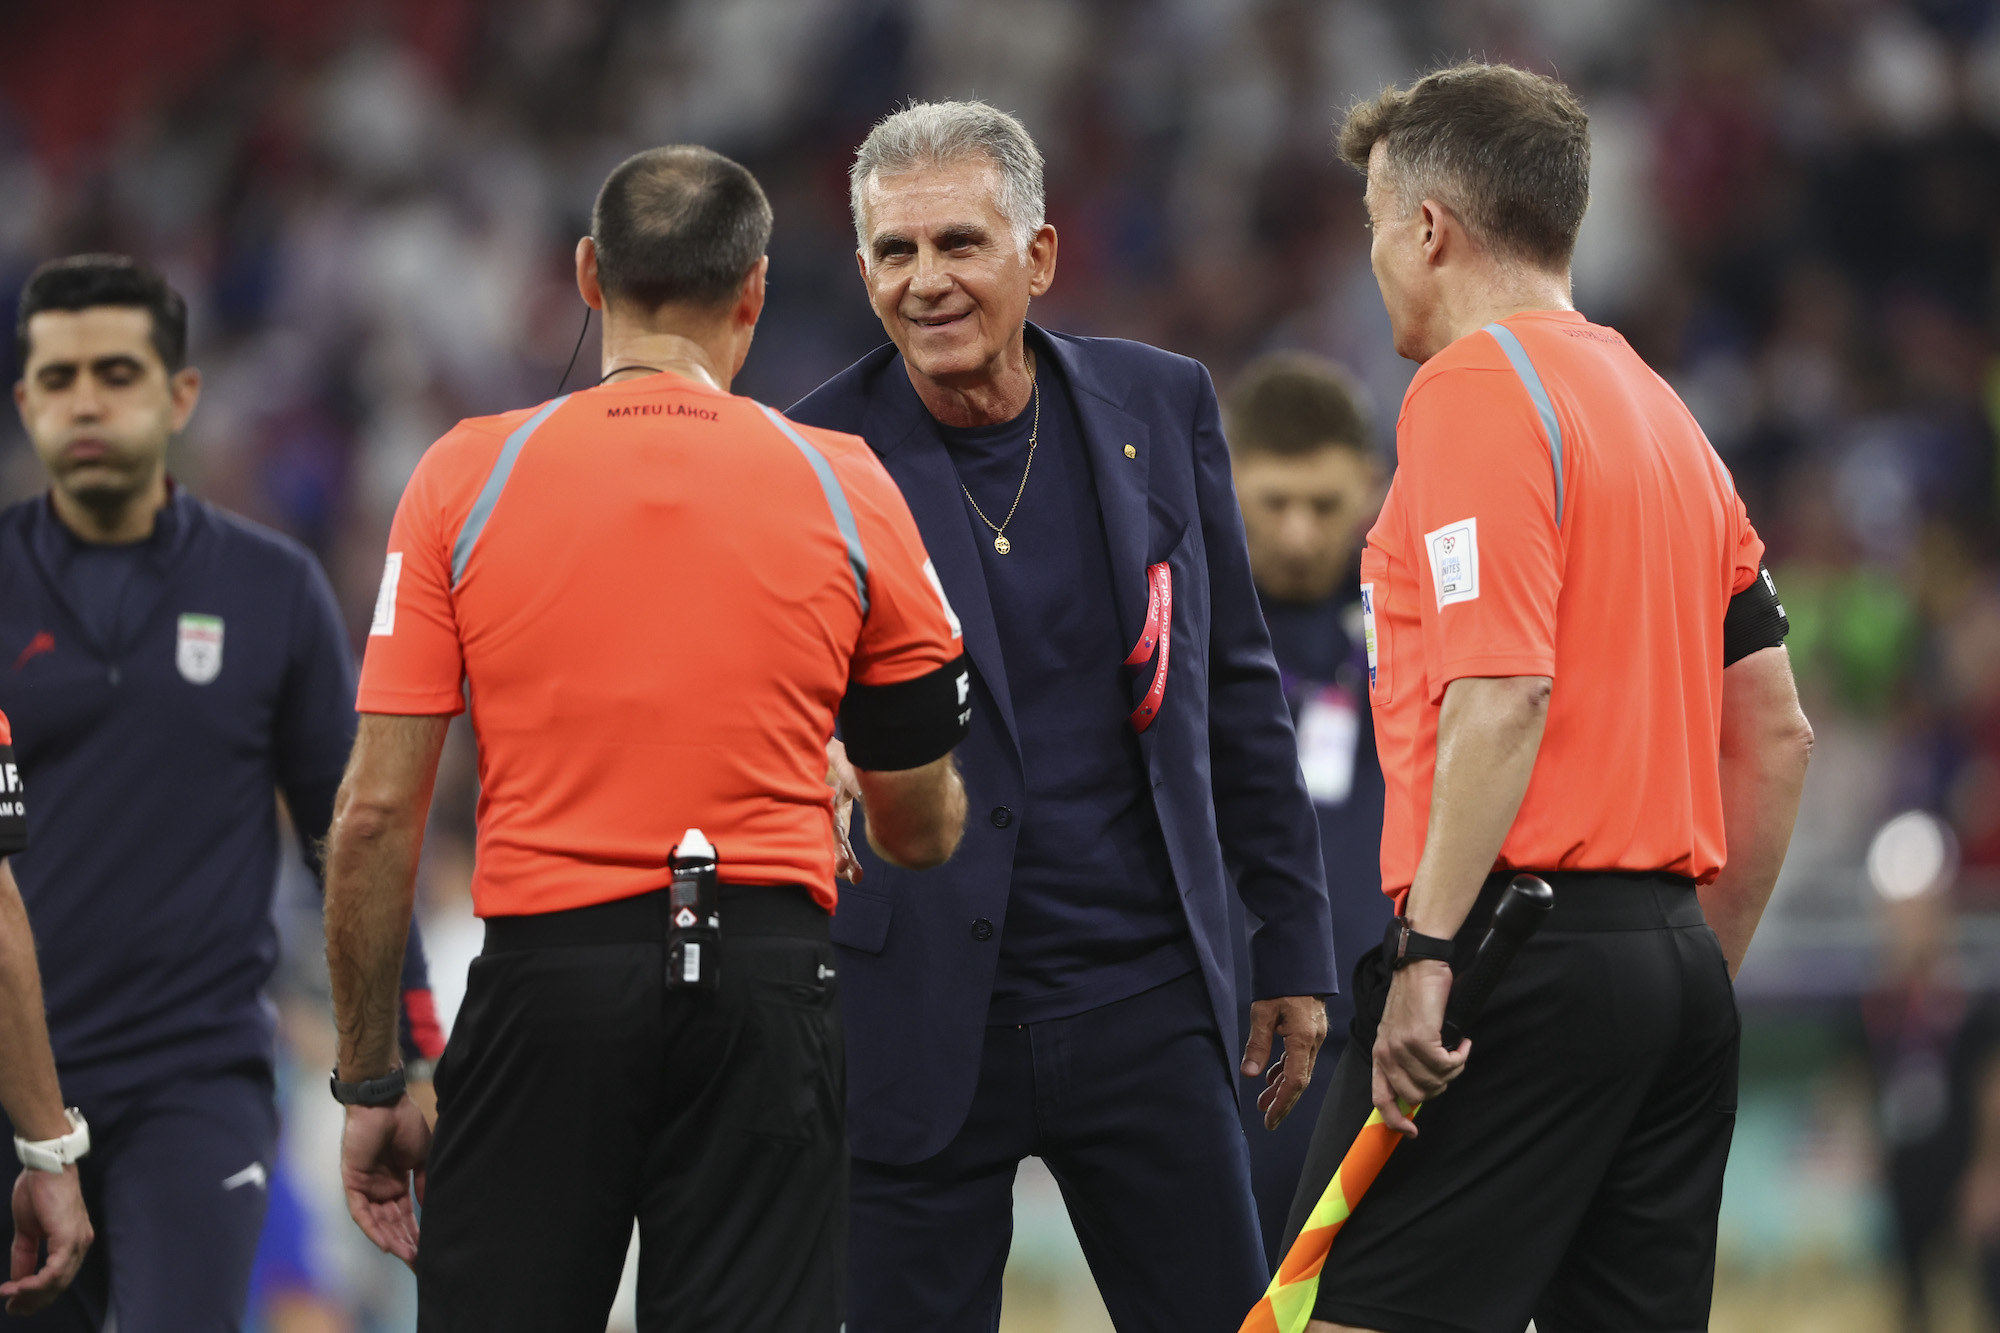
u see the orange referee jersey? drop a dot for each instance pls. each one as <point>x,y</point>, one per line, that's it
<point>654,595</point>
<point>1557,512</point>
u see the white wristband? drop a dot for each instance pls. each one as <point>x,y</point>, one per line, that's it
<point>53,1155</point>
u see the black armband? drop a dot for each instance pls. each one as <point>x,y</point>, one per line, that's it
<point>1756,620</point>
<point>13,805</point>
<point>910,723</point>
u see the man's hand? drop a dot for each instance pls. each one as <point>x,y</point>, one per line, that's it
<point>1301,1021</point>
<point>47,1208</point>
<point>846,786</point>
<point>382,1154</point>
<point>1411,1063</point>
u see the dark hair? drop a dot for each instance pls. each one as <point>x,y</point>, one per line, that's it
<point>678,224</point>
<point>79,282</point>
<point>1506,150</point>
<point>1292,404</point>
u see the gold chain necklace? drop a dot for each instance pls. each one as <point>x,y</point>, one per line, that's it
<point>1000,542</point>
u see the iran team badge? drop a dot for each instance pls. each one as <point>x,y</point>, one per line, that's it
<point>198,651</point>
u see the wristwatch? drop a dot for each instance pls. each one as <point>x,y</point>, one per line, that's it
<point>52,1155</point>
<point>384,1091</point>
<point>1403,946</point>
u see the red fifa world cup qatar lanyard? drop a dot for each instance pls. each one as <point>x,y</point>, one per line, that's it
<point>1159,630</point>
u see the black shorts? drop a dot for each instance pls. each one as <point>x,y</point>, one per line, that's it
<point>578,1094</point>
<point>1573,1173</point>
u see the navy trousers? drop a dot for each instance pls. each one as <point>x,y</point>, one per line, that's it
<point>1278,1156</point>
<point>1133,1108</point>
<point>175,1183</point>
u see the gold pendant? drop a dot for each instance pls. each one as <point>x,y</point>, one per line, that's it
<point>1001,544</point>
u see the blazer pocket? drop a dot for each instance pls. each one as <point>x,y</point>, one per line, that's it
<point>1174,545</point>
<point>861,919</point>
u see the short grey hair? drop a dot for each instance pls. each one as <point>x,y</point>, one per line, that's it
<point>936,134</point>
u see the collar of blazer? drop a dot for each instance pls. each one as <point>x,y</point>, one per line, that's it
<point>1119,446</point>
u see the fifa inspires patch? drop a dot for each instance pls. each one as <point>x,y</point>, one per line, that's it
<point>1454,552</point>
<point>385,596</point>
<point>198,649</point>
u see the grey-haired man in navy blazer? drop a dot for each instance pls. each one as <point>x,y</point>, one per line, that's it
<point>1063,988</point>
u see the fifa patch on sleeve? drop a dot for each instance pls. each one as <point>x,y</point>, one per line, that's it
<point>385,597</point>
<point>1454,552</point>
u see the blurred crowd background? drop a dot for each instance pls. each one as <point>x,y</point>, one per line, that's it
<point>1796,219</point>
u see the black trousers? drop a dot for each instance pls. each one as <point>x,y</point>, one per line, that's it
<point>578,1093</point>
<point>1132,1107</point>
<point>1573,1172</point>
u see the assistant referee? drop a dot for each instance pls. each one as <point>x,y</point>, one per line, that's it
<point>1576,669</point>
<point>657,597</point>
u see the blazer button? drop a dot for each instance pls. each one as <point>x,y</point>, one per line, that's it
<point>982,929</point>
<point>1001,816</point>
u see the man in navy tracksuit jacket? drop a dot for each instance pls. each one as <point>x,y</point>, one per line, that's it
<point>167,667</point>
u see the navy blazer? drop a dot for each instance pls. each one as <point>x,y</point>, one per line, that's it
<point>919,948</point>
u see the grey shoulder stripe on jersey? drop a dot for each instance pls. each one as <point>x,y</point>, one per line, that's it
<point>836,500</point>
<point>496,482</point>
<point>1517,356</point>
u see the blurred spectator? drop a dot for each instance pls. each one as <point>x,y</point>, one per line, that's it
<point>1796,216</point>
<point>1931,1044</point>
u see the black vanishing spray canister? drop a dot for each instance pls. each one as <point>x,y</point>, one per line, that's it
<point>694,917</point>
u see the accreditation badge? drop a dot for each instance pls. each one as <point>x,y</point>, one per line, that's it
<point>1329,730</point>
<point>198,650</point>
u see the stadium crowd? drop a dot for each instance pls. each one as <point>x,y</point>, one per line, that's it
<point>1796,220</point>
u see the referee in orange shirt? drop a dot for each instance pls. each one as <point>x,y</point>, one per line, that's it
<point>1577,669</point>
<point>657,596</point>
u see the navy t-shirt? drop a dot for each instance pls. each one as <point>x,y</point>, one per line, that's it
<point>96,581</point>
<point>1092,912</point>
<point>161,693</point>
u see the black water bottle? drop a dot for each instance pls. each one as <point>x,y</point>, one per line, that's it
<point>694,917</point>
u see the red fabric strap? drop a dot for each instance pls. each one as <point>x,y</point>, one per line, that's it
<point>1160,629</point>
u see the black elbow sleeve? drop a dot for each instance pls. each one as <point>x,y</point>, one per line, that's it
<point>1756,620</point>
<point>907,725</point>
<point>13,806</point>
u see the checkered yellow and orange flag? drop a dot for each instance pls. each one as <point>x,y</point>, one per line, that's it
<point>1287,1303</point>
<point>1286,1306</point>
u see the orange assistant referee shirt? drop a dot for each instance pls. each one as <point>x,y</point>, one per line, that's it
<point>1562,517</point>
<point>655,596</point>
